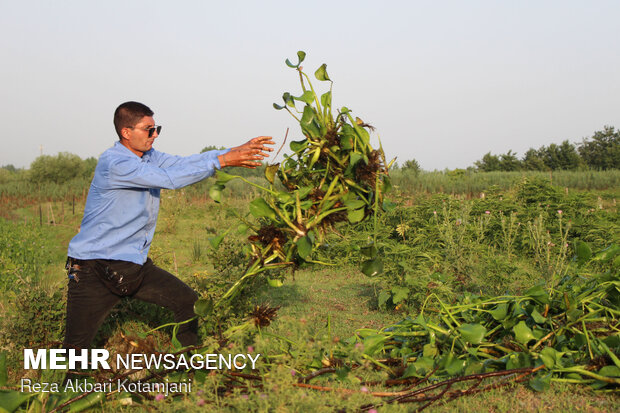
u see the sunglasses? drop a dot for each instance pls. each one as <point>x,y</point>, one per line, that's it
<point>151,131</point>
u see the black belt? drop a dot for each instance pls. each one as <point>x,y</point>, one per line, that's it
<point>74,261</point>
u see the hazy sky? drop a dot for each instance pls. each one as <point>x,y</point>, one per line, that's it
<point>443,82</point>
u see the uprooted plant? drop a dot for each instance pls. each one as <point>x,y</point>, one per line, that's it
<point>334,174</point>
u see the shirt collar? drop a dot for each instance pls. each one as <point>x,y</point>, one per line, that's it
<point>119,146</point>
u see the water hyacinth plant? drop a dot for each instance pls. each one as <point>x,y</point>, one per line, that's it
<point>333,175</point>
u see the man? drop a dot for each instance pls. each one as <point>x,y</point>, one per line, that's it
<point>108,258</point>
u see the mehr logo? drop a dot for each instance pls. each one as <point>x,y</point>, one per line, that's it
<point>59,359</point>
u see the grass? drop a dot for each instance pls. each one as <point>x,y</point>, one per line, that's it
<point>315,296</point>
<point>344,296</point>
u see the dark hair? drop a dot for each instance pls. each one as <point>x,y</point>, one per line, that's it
<point>128,114</point>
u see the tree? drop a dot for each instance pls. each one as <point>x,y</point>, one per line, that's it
<point>60,168</point>
<point>488,163</point>
<point>509,162</point>
<point>533,161</point>
<point>411,167</point>
<point>603,150</point>
<point>10,167</point>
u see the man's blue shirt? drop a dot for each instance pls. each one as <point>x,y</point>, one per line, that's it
<point>123,200</point>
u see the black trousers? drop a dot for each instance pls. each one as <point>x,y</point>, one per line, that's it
<point>95,286</point>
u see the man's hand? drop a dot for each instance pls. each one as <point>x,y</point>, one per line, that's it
<point>249,154</point>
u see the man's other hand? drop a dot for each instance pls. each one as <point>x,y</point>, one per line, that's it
<point>249,154</point>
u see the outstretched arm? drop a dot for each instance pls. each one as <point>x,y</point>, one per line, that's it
<point>249,154</point>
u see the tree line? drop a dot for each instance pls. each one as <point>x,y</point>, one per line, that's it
<point>600,152</point>
<point>60,168</point>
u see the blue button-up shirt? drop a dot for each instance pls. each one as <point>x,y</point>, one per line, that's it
<point>123,200</point>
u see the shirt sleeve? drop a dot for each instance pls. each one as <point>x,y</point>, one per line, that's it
<point>164,160</point>
<point>175,173</point>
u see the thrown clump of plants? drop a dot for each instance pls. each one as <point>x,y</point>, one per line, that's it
<point>334,174</point>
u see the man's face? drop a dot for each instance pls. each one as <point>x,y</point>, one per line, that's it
<point>137,139</point>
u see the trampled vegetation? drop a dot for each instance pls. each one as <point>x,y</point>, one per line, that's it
<point>454,288</point>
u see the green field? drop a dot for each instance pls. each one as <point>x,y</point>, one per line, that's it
<point>439,245</point>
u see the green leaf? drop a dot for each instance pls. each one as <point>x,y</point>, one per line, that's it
<point>260,208</point>
<point>518,361</point>
<point>374,344</point>
<point>399,294</point>
<point>523,333</point>
<point>307,97</point>
<point>537,317</point>
<point>270,172</point>
<point>308,115</point>
<point>215,192</point>
<point>307,123</point>
<point>347,137</point>
<point>300,58</point>
<point>500,312</point>
<point>354,204</point>
<point>304,191</point>
<point>473,367</point>
<point>387,184</point>
<point>539,294</point>
<point>278,107</point>
<point>275,282</point>
<point>288,99</point>
<point>326,99</point>
<point>203,307</point>
<point>370,251</point>
<point>355,158</point>
<point>388,206</point>
<point>217,240</point>
<point>583,252</point>
<point>297,146</point>
<point>608,253</point>
<point>541,383</point>
<point>176,344</point>
<point>304,247</point>
<point>612,341</point>
<point>372,268</point>
<point>284,197</point>
<point>355,215</point>
<point>424,365</point>
<point>384,296</point>
<point>430,350</point>
<point>362,133</point>
<point>549,356</point>
<point>301,55</point>
<point>455,366</point>
<point>410,371</point>
<point>472,333</point>
<point>321,73</point>
<point>223,177</point>
<point>609,371</point>
<point>10,400</point>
